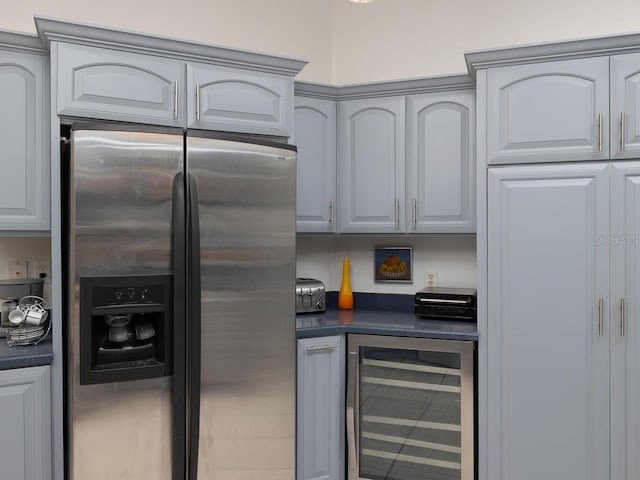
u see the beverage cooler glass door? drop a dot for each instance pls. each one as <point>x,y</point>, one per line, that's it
<point>410,409</point>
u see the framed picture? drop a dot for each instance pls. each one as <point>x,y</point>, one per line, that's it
<point>393,264</point>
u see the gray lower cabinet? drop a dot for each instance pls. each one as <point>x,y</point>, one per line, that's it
<point>24,135</point>
<point>25,416</point>
<point>315,137</point>
<point>320,408</point>
<point>371,165</point>
<point>563,275</point>
<point>440,163</point>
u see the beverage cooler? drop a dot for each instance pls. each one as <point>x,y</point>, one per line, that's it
<point>410,408</point>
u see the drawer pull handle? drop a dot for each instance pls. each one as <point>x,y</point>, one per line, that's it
<point>317,348</point>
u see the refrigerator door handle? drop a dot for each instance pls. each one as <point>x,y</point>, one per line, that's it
<point>178,257</point>
<point>193,325</point>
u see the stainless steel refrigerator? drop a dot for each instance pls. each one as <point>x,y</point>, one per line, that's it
<point>180,305</point>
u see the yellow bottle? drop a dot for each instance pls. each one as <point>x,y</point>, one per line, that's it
<point>345,295</point>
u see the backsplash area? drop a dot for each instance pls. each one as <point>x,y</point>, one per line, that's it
<point>453,258</point>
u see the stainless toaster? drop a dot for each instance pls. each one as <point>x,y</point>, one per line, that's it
<point>310,295</point>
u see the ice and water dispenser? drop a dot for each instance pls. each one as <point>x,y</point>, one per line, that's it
<point>125,328</point>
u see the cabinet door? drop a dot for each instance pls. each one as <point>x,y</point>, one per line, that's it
<point>315,137</point>
<point>625,315</point>
<point>234,100</point>
<point>113,85</point>
<point>320,425</point>
<point>625,106</point>
<point>24,137</point>
<point>548,112</point>
<point>441,163</point>
<point>371,146</point>
<point>25,414</point>
<point>547,345</point>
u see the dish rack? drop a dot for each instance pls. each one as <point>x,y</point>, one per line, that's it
<point>25,334</point>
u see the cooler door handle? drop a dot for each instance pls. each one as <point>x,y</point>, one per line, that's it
<point>352,448</point>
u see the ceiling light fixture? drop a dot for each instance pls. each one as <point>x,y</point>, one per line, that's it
<point>363,1</point>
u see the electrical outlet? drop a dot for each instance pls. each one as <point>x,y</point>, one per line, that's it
<point>18,269</point>
<point>41,269</point>
<point>431,278</point>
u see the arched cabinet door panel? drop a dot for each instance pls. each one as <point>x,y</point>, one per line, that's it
<point>371,180</point>
<point>441,163</point>
<point>124,86</point>
<point>548,112</point>
<point>222,98</point>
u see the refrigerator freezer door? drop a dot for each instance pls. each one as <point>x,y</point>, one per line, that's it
<point>245,423</point>
<point>119,222</point>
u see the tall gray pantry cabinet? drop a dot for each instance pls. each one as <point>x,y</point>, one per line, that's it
<point>558,265</point>
<point>24,134</point>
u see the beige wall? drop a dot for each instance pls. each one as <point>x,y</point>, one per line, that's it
<point>392,39</point>
<point>344,42</point>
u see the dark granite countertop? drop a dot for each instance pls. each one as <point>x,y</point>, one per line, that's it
<point>382,322</point>
<point>381,315</point>
<point>21,356</point>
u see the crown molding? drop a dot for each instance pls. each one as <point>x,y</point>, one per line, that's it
<point>51,29</point>
<point>21,42</point>
<point>446,83</point>
<point>545,52</point>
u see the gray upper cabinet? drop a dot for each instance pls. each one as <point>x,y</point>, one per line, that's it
<point>371,176</point>
<point>125,86</point>
<point>315,137</point>
<point>405,157</point>
<point>440,166</point>
<point>234,100</point>
<point>132,77</point>
<point>24,136</point>
<point>115,85</point>
<point>625,106</point>
<point>25,415</point>
<point>548,112</point>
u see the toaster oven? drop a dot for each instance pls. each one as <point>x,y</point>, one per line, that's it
<point>310,295</point>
